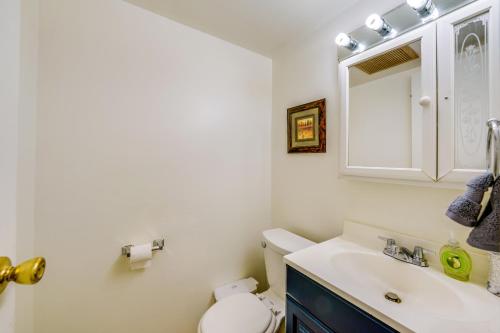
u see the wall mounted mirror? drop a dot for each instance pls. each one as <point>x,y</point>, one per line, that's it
<point>389,102</point>
<point>393,103</point>
<point>385,111</point>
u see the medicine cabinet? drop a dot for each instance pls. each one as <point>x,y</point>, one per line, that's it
<point>415,107</point>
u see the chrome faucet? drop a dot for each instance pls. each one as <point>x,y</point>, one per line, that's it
<point>403,254</point>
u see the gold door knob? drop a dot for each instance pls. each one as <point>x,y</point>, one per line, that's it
<point>29,272</point>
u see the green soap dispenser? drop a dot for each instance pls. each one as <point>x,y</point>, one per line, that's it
<point>455,260</point>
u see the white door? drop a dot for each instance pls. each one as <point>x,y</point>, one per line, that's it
<point>9,82</point>
<point>467,89</point>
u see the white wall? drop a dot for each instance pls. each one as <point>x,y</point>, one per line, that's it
<point>9,99</point>
<point>307,70</point>
<point>146,129</point>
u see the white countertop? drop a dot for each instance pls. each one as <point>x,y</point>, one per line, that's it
<point>432,302</point>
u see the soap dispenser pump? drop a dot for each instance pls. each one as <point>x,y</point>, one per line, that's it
<point>456,261</point>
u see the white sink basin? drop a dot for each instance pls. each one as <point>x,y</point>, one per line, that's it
<point>430,301</point>
<point>414,285</point>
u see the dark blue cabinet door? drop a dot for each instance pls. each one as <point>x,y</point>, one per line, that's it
<point>299,320</point>
<point>328,308</point>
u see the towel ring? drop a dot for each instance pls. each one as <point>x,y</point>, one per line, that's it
<point>493,146</point>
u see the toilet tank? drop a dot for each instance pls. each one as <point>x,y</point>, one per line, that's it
<point>278,243</point>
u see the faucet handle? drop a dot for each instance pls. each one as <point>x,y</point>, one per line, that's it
<point>419,252</point>
<point>390,243</point>
<point>418,256</point>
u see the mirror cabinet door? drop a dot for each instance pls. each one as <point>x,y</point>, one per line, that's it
<point>389,109</point>
<point>467,59</point>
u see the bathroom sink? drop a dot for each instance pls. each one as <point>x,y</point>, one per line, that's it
<point>420,299</point>
<point>415,286</point>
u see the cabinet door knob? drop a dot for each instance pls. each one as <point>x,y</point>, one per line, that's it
<point>425,101</point>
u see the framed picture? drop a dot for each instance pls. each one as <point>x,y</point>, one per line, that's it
<point>307,128</point>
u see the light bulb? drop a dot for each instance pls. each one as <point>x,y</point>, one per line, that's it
<point>424,8</point>
<point>344,40</point>
<point>374,22</point>
<point>378,24</point>
<point>417,4</point>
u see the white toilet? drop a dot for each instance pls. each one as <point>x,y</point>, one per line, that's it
<point>244,312</point>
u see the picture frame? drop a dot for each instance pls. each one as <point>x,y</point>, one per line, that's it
<point>307,127</point>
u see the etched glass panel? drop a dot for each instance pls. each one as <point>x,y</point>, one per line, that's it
<point>471,92</point>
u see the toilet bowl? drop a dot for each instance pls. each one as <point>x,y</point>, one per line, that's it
<point>244,312</point>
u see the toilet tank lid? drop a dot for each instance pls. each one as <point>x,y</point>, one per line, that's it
<point>285,242</point>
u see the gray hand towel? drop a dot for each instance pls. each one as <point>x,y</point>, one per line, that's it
<point>486,235</point>
<point>466,208</point>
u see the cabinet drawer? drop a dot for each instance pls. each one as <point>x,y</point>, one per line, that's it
<point>330,309</point>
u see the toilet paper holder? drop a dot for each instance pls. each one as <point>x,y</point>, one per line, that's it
<point>158,245</point>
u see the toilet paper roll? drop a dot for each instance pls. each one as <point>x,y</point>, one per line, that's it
<point>140,256</point>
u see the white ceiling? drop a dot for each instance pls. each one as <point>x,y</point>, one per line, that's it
<point>258,25</point>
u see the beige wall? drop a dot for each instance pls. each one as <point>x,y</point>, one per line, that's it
<point>308,195</point>
<point>146,129</point>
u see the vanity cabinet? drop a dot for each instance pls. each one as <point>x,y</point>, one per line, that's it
<point>311,308</point>
<point>414,108</point>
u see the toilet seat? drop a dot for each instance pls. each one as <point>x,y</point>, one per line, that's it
<point>242,313</point>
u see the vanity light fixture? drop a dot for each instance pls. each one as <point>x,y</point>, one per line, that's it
<point>346,41</point>
<point>378,24</point>
<point>424,8</point>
